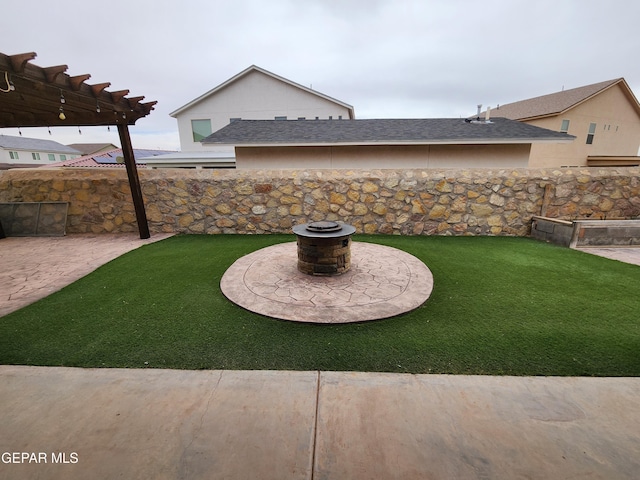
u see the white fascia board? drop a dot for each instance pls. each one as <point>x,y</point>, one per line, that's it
<point>190,160</point>
<point>187,163</point>
<point>431,142</point>
<point>200,155</point>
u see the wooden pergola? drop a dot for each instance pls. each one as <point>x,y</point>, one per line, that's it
<point>33,96</point>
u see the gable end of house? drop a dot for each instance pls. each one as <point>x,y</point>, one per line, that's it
<point>255,68</point>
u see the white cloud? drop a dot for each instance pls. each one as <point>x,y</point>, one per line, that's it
<point>387,58</point>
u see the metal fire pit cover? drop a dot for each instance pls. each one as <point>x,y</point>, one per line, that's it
<point>325,226</point>
<point>324,229</point>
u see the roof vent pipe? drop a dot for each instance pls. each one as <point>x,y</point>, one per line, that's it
<point>487,115</point>
<point>479,110</point>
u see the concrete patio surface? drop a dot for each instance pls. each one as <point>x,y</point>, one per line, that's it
<point>383,282</point>
<point>68,423</point>
<point>172,424</point>
<point>34,267</point>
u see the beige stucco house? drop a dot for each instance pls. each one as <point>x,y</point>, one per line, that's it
<point>254,94</point>
<point>383,143</point>
<point>604,118</point>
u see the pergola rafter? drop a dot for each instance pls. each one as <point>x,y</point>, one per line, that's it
<point>33,96</point>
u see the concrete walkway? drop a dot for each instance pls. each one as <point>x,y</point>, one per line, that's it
<point>163,424</point>
<point>623,254</point>
<point>66,423</point>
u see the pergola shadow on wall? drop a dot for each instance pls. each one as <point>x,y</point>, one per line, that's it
<point>33,96</point>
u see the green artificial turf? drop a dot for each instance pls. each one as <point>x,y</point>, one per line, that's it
<point>500,306</point>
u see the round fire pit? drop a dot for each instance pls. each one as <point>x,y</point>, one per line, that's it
<point>324,248</point>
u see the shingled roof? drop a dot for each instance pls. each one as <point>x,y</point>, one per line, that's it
<point>35,145</point>
<point>559,102</point>
<point>380,132</point>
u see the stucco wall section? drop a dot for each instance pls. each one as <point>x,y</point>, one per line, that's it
<point>408,202</point>
<point>617,131</point>
<point>384,156</point>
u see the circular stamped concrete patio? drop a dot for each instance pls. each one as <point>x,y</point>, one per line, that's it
<point>383,282</point>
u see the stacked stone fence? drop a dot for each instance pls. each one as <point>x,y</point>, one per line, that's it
<point>407,202</point>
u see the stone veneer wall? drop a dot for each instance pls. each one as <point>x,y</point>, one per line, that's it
<point>408,202</point>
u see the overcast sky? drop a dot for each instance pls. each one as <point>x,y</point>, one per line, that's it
<point>387,58</point>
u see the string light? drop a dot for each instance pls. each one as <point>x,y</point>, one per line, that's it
<point>62,116</point>
<point>10,86</point>
<point>62,100</point>
<point>97,107</point>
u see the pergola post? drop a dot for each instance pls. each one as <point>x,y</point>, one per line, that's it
<point>134,181</point>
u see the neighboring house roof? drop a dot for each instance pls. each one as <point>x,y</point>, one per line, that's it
<point>91,148</point>
<point>254,68</point>
<point>381,132</point>
<point>109,159</point>
<point>34,145</point>
<point>559,102</point>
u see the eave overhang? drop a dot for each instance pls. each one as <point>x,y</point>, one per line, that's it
<point>518,141</point>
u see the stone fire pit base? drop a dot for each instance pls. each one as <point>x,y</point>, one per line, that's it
<point>383,282</point>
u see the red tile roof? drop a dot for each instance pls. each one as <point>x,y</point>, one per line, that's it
<point>108,159</point>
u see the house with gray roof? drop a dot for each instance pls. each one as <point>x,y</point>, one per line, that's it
<point>20,152</point>
<point>254,94</point>
<point>383,143</point>
<point>604,117</point>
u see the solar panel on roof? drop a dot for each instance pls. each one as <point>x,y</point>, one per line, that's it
<point>111,158</point>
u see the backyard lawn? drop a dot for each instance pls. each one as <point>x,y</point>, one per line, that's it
<point>500,306</point>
